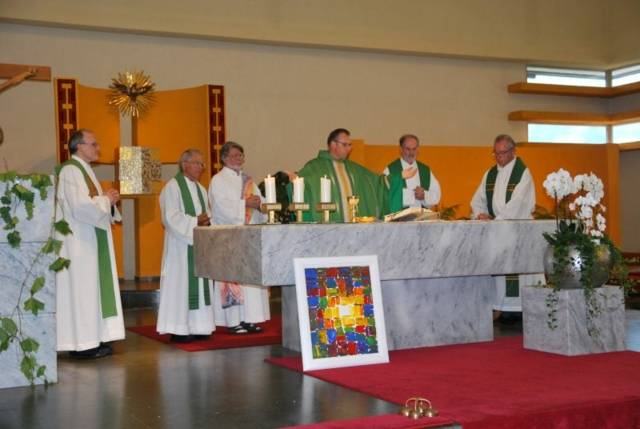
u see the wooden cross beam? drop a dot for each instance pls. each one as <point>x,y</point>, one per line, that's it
<point>16,73</point>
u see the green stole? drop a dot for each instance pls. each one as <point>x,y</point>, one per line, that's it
<point>189,209</point>
<point>397,183</point>
<point>514,179</point>
<point>105,273</point>
<point>512,280</point>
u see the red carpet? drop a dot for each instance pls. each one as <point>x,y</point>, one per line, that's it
<point>387,421</point>
<point>220,339</point>
<point>500,385</point>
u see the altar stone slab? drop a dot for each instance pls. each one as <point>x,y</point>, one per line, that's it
<point>263,254</point>
<point>436,276</point>
<point>571,338</point>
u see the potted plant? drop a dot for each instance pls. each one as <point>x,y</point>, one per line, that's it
<point>580,254</point>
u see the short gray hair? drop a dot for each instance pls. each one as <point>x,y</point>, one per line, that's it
<point>507,138</point>
<point>226,148</point>
<point>77,137</point>
<point>186,156</point>
<point>408,136</point>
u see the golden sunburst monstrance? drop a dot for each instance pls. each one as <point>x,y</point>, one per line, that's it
<point>131,93</point>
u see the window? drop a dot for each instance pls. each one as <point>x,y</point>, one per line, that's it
<point>566,76</point>
<point>546,133</point>
<point>626,133</point>
<point>625,75</point>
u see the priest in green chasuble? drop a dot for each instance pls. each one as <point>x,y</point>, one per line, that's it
<point>507,192</point>
<point>410,183</point>
<point>88,294</point>
<point>186,310</point>
<point>347,178</point>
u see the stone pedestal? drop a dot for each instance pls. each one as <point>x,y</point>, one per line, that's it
<point>570,337</point>
<point>15,264</point>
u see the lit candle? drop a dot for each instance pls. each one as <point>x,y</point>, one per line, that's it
<point>298,190</point>
<point>325,190</point>
<point>270,189</point>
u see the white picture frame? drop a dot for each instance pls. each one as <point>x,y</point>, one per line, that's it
<point>321,348</point>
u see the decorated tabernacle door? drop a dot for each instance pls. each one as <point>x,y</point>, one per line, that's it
<point>340,312</point>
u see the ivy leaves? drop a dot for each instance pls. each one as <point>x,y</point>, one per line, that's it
<point>16,194</point>
<point>21,190</point>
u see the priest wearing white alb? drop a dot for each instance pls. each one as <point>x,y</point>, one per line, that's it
<point>506,192</point>
<point>235,200</point>
<point>89,311</point>
<point>410,183</point>
<point>186,309</point>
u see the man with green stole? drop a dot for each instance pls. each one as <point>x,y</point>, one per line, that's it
<point>506,192</point>
<point>186,310</point>
<point>410,183</point>
<point>88,294</point>
<point>347,178</point>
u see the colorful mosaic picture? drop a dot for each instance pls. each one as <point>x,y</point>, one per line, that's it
<point>340,311</point>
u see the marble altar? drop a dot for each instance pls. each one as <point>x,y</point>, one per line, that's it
<point>436,276</point>
<point>14,266</point>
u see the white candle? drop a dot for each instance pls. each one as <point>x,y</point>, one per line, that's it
<point>325,190</point>
<point>298,190</point>
<point>270,189</point>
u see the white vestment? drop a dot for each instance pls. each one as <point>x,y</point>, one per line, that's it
<point>431,196</point>
<point>79,313</point>
<point>520,206</point>
<point>174,316</point>
<point>228,208</point>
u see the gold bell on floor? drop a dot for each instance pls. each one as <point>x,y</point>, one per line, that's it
<point>415,408</point>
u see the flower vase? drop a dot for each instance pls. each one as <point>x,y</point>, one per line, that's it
<point>571,275</point>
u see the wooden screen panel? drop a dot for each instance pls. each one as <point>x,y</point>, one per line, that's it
<point>66,109</point>
<point>176,121</point>
<point>95,113</point>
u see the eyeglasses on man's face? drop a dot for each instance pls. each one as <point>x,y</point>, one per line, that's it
<point>345,144</point>
<point>502,153</point>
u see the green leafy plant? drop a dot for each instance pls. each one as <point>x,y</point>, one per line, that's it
<point>15,195</point>
<point>580,229</point>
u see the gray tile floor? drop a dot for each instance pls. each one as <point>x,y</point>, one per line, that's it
<point>147,384</point>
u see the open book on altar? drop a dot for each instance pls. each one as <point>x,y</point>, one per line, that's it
<point>412,214</point>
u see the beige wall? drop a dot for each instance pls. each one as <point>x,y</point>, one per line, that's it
<point>281,101</point>
<point>630,203</point>
<point>570,32</point>
<point>624,32</point>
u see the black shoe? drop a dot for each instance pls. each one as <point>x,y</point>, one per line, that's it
<point>181,338</point>
<point>201,337</point>
<point>95,353</point>
<point>106,347</point>
<point>238,330</point>
<point>252,328</point>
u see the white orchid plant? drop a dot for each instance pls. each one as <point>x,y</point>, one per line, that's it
<point>580,223</point>
<point>586,207</point>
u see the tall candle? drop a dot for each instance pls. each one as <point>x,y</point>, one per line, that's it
<point>270,189</point>
<point>298,190</point>
<point>325,190</point>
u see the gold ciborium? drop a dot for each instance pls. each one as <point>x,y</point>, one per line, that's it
<point>353,201</point>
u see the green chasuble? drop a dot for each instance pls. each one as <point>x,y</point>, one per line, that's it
<point>512,280</point>
<point>105,272</point>
<point>396,183</point>
<point>190,210</point>
<point>365,184</point>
